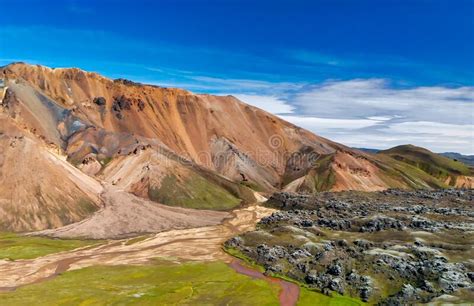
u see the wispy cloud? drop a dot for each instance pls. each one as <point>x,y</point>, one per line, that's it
<point>362,98</point>
<point>247,85</point>
<point>78,8</point>
<point>333,124</point>
<point>270,104</point>
<point>245,88</point>
<point>372,113</point>
<point>315,58</point>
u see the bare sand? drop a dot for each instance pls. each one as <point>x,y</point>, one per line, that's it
<point>125,215</point>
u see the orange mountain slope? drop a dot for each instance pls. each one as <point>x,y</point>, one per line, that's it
<point>191,150</point>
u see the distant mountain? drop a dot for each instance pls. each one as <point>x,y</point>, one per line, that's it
<point>467,159</point>
<point>367,150</point>
<point>82,136</point>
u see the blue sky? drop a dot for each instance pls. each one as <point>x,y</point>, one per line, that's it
<point>364,73</point>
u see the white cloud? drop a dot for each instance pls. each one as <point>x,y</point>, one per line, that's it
<point>327,124</point>
<point>245,85</point>
<point>270,104</point>
<point>382,118</point>
<point>373,134</point>
<point>370,113</point>
<point>362,98</point>
<point>434,128</point>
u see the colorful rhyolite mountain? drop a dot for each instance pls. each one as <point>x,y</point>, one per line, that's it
<point>72,140</point>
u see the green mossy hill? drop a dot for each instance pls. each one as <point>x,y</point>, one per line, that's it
<point>323,176</point>
<point>434,164</point>
<point>192,192</point>
<point>399,174</point>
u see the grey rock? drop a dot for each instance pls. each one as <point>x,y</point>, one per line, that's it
<point>365,293</point>
<point>335,269</point>
<point>364,244</point>
<point>337,285</point>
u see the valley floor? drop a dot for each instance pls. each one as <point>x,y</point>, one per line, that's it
<point>175,267</point>
<point>196,244</point>
<point>190,266</point>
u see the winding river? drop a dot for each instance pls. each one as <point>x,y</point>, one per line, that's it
<point>289,292</point>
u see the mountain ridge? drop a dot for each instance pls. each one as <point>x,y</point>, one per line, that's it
<point>196,151</point>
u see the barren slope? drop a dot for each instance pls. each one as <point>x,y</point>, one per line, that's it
<point>38,188</point>
<point>126,215</point>
<point>223,134</point>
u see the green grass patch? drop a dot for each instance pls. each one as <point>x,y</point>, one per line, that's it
<point>159,284</point>
<point>323,175</point>
<point>192,192</point>
<point>14,246</point>
<point>252,185</point>
<point>310,298</point>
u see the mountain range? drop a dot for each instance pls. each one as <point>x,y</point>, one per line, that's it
<point>76,145</point>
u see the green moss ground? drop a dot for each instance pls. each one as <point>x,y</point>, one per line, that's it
<point>163,283</point>
<point>193,192</point>
<point>312,298</point>
<point>14,246</point>
<point>323,176</point>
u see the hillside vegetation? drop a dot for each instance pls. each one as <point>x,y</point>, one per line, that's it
<point>444,169</point>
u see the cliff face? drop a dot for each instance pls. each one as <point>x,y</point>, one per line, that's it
<point>101,125</point>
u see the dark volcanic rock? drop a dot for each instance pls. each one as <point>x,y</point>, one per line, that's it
<point>121,103</point>
<point>100,101</point>
<point>380,223</point>
<point>286,200</point>
<point>141,105</point>
<point>349,241</point>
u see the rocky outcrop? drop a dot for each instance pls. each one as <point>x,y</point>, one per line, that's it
<point>101,101</point>
<point>391,247</point>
